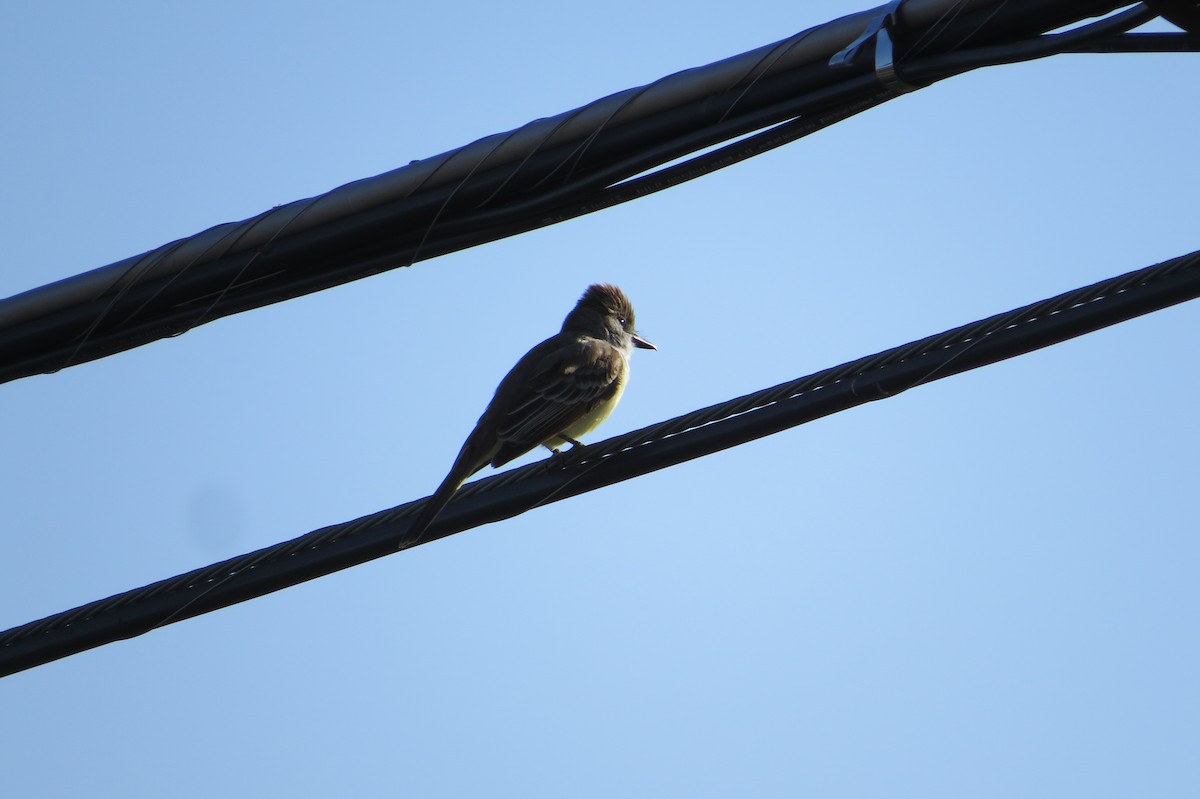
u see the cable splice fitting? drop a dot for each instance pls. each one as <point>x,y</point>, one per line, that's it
<point>880,29</point>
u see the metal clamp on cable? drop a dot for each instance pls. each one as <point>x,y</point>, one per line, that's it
<point>880,29</point>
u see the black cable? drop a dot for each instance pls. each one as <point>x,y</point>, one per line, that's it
<point>843,101</point>
<point>1184,13</point>
<point>813,112</point>
<point>1142,43</point>
<point>595,191</point>
<point>950,64</point>
<point>684,438</point>
<point>549,170</point>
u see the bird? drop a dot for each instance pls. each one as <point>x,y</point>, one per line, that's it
<point>558,392</point>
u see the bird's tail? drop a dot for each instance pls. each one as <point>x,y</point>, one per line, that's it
<point>466,464</point>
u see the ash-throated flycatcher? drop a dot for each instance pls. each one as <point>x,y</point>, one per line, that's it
<point>562,389</point>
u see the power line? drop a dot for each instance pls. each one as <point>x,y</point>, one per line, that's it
<point>545,172</point>
<point>671,442</point>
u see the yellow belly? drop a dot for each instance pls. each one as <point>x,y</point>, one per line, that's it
<point>592,420</point>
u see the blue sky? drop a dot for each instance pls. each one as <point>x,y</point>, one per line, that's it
<point>982,587</point>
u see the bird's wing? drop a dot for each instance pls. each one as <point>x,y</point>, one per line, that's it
<point>565,385</point>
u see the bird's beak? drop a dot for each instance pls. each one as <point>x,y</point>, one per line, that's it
<point>641,343</point>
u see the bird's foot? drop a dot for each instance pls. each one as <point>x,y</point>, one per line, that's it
<point>558,459</point>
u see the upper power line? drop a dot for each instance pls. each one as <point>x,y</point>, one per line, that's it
<point>547,171</point>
